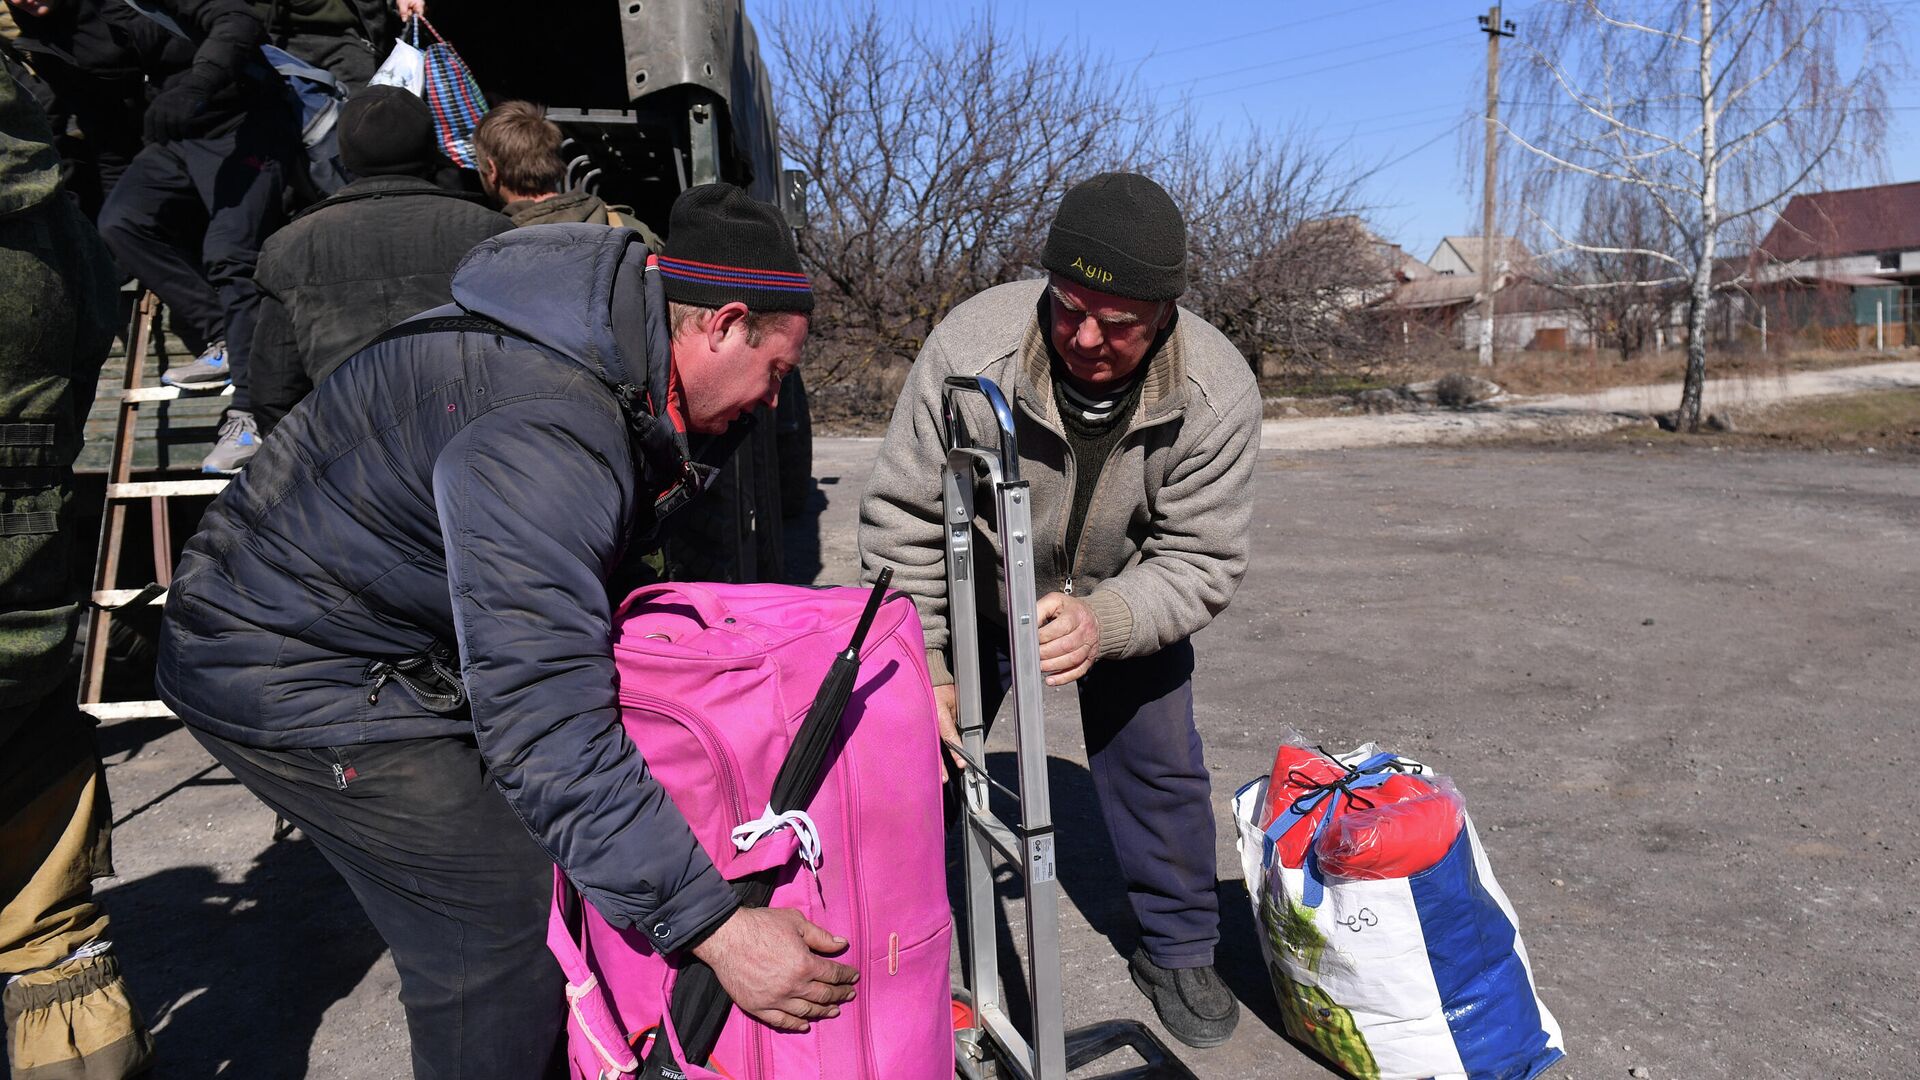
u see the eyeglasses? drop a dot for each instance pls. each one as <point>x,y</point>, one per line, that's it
<point>1114,321</point>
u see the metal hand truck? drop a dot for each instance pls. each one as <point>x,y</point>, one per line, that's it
<point>1028,843</point>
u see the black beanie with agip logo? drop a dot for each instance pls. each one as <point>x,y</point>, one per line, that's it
<point>1120,233</point>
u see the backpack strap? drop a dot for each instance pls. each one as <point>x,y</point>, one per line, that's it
<point>165,20</point>
<point>675,476</point>
<point>448,324</point>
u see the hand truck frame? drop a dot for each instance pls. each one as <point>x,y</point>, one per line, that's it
<point>1028,844</point>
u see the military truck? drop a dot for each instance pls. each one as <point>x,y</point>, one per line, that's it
<point>656,96</point>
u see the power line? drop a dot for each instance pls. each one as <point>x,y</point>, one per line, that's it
<point>1274,29</point>
<point>1308,56</point>
<point>1318,70</point>
<point>1394,115</point>
<point>1385,165</point>
<point>1681,106</point>
<point>1402,127</point>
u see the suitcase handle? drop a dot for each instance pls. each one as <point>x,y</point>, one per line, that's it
<point>707,606</point>
<point>586,999</point>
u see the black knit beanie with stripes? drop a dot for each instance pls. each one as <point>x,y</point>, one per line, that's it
<point>728,246</point>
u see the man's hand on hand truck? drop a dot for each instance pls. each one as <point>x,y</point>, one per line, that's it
<point>1069,641</point>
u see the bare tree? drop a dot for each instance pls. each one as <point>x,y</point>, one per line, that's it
<point>939,153</point>
<point>1279,256</point>
<point>937,158</point>
<point>1713,111</point>
<point>1623,295</point>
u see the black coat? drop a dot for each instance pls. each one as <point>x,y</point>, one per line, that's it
<point>379,251</point>
<point>227,75</point>
<point>374,20</point>
<point>106,39</point>
<point>95,58</point>
<point>469,489</point>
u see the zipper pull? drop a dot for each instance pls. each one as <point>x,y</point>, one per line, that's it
<point>382,672</point>
<point>340,776</point>
<point>1068,587</point>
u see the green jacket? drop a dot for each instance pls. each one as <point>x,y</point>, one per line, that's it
<point>582,207</point>
<point>59,295</point>
<point>1165,542</point>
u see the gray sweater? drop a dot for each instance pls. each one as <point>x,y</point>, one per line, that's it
<point>1165,543</point>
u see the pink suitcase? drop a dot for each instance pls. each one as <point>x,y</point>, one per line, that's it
<point>714,681</point>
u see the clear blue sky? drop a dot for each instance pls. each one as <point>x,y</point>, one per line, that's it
<point>1386,80</point>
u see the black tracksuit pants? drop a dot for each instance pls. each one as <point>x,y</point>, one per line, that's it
<point>1154,791</point>
<point>450,878</point>
<point>188,217</point>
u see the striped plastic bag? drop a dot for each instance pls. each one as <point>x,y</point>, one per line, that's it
<point>454,97</point>
<point>1393,952</point>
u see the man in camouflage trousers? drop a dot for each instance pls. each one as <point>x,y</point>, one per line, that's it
<point>66,1010</point>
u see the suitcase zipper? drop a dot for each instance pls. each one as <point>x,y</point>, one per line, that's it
<point>736,801</point>
<point>850,814</point>
<point>711,743</point>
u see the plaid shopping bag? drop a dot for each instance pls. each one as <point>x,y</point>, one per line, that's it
<point>454,97</point>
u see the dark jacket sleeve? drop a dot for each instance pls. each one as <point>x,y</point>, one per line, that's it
<point>533,498</point>
<point>379,22</point>
<point>226,33</point>
<point>279,379</point>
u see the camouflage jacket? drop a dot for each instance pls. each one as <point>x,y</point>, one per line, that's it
<point>58,299</point>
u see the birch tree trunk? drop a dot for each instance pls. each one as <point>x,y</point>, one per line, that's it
<point>1688,418</point>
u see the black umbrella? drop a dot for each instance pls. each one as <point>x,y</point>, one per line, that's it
<point>700,1003</point>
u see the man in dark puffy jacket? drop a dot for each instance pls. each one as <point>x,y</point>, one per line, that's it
<point>380,250</point>
<point>395,628</point>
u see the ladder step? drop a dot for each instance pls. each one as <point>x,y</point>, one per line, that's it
<point>109,711</point>
<point>117,598</point>
<point>169,393</point>
<point>160,489</point>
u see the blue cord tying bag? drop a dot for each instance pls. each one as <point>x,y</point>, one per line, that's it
<point>1403,977</point>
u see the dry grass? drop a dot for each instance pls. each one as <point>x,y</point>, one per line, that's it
<point>1884,420</point>
<point>863,401</point>
<point>1881,422</point>
<point>1579,372</point>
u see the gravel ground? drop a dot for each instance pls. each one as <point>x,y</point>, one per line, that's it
<point>1676,689</point>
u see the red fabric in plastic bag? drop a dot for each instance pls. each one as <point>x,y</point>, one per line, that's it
<point>1410,827</point>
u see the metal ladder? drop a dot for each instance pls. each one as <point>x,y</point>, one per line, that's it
<point>1027,845</point>
<point>122,491</point>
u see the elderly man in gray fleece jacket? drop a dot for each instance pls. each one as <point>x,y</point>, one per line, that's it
<point>1138,425</point>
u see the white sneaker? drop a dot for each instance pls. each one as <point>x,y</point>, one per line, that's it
<point>239,440</point>
<point>208,371</point>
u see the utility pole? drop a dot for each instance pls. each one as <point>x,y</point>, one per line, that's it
<point>1495,28</point>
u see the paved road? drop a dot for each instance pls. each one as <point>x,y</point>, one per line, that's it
<point>1574,414</point>
<point>1676,690</point>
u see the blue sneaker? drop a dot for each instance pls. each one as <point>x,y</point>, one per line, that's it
<point>208,371</point>
<point>239,441</point>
